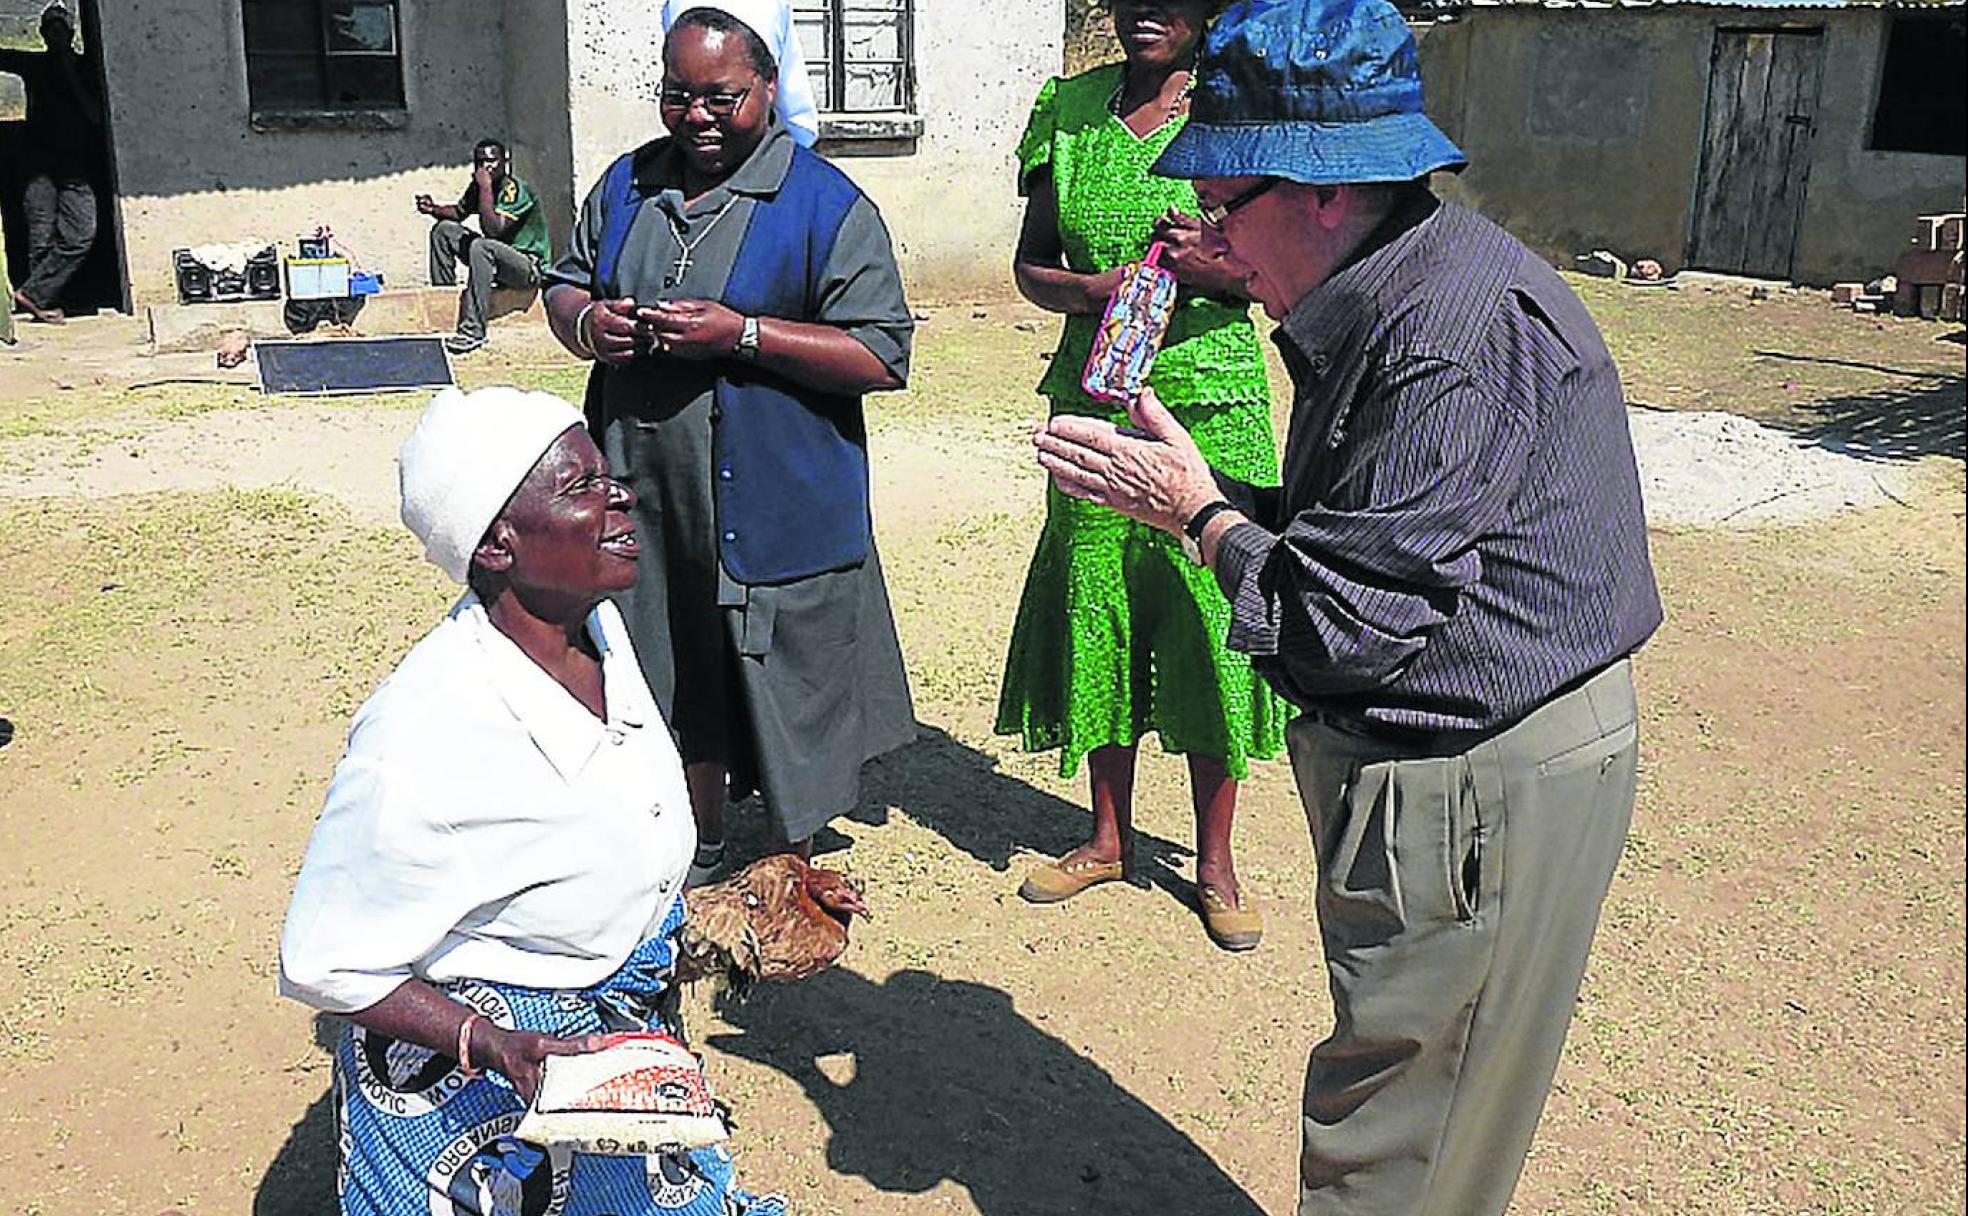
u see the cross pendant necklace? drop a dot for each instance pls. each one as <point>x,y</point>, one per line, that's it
<point>678,268</point>
<point>686,249</point>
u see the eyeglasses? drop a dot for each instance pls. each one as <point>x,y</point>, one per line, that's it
<point>1214,216</point>
<point>719,104</point>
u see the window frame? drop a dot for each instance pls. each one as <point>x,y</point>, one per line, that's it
<point>373,114</point>
<point>831,95</point>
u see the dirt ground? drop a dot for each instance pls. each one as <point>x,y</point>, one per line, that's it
<point>197,587</point>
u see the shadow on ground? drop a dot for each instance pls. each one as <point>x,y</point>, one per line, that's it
<point>957,792</point>
<point>300,1181</point>
<point>1920,414</point>
<point>951,1082</point>
<point>948,1082</point>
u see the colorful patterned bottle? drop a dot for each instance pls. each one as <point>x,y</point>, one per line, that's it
<point>1130,332</point>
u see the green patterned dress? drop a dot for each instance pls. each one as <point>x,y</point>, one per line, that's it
<point>1118,634</point>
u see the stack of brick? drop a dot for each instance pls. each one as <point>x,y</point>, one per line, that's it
<point>1876,296</point>
<point>1930,273</point>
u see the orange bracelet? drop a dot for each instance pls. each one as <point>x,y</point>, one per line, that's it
<point>464,1045</point>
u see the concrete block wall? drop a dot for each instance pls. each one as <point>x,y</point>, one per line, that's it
<point>1584,130</point>
<point>949,198</point>
<point>1860,207</point>
<point>570,84</point>
<point>953,204</point>
<point>192,170</point>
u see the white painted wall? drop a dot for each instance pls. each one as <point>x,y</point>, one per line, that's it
<point>537,127</point>
<point>951,202</point>
<point>572,84</point>
<point>953,206</point>
<point>615,63</point>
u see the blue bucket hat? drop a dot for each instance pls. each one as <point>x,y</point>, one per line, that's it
<point>1324,92</point>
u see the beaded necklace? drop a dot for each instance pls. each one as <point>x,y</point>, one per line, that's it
<point>1176,104</point>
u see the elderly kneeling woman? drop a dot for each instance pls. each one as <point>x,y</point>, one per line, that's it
<point>497,874</point>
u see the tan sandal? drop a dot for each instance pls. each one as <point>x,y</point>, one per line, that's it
<point>1053,882</point>
<point>1232,928</point>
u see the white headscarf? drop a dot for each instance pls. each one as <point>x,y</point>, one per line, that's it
<point>468,454</point>
<point>772,21</point>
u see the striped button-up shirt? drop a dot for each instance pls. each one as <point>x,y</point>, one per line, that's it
<point>1459,535</point>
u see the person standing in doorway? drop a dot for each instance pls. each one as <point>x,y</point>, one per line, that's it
<point>508,250</point>
<point>64,122</point>
<point>1448,585</point>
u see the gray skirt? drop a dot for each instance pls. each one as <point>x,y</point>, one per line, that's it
<point>793,687</point>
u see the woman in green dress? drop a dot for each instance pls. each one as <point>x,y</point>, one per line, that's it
<point>1118,634</point>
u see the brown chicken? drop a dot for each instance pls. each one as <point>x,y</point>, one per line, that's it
<point>779,919</point>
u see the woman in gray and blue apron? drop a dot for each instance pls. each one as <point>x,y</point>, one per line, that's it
<point>739,295</point>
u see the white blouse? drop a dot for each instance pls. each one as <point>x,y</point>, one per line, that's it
<point>484,824</point>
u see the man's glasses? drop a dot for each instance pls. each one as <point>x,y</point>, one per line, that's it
<point>720,104</point>
<point>1214,216</point>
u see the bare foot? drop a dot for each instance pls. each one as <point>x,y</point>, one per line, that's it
<point>47,316</point>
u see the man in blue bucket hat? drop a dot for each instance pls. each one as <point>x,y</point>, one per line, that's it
<point>1448,585</point>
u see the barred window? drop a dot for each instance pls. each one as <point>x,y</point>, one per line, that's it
<point>861,53</point>
<point>323,55</point>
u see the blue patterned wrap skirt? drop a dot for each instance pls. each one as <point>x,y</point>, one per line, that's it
<point>415,1135</point>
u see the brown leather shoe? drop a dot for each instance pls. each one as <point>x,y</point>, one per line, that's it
<point>1232,928</point>
<point>1056,881</point>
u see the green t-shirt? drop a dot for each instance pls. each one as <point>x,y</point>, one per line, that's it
<point>516,201</point>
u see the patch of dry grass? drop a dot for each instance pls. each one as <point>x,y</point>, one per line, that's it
<point>1716,348</point>
<point>181,571</point>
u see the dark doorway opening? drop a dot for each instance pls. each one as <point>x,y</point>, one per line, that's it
<point>1923,104</point>
<point>100,281</point>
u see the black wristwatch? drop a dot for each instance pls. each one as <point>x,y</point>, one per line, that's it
<point>1192,532</point>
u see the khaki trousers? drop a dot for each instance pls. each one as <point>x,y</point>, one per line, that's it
<point>1457,898</point>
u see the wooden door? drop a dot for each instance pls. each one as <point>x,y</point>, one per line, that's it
<point>1756,150</point>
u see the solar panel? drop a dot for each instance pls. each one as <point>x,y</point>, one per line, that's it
<point>352,365</point>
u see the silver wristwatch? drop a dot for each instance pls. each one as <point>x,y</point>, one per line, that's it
<point>748,340</point>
